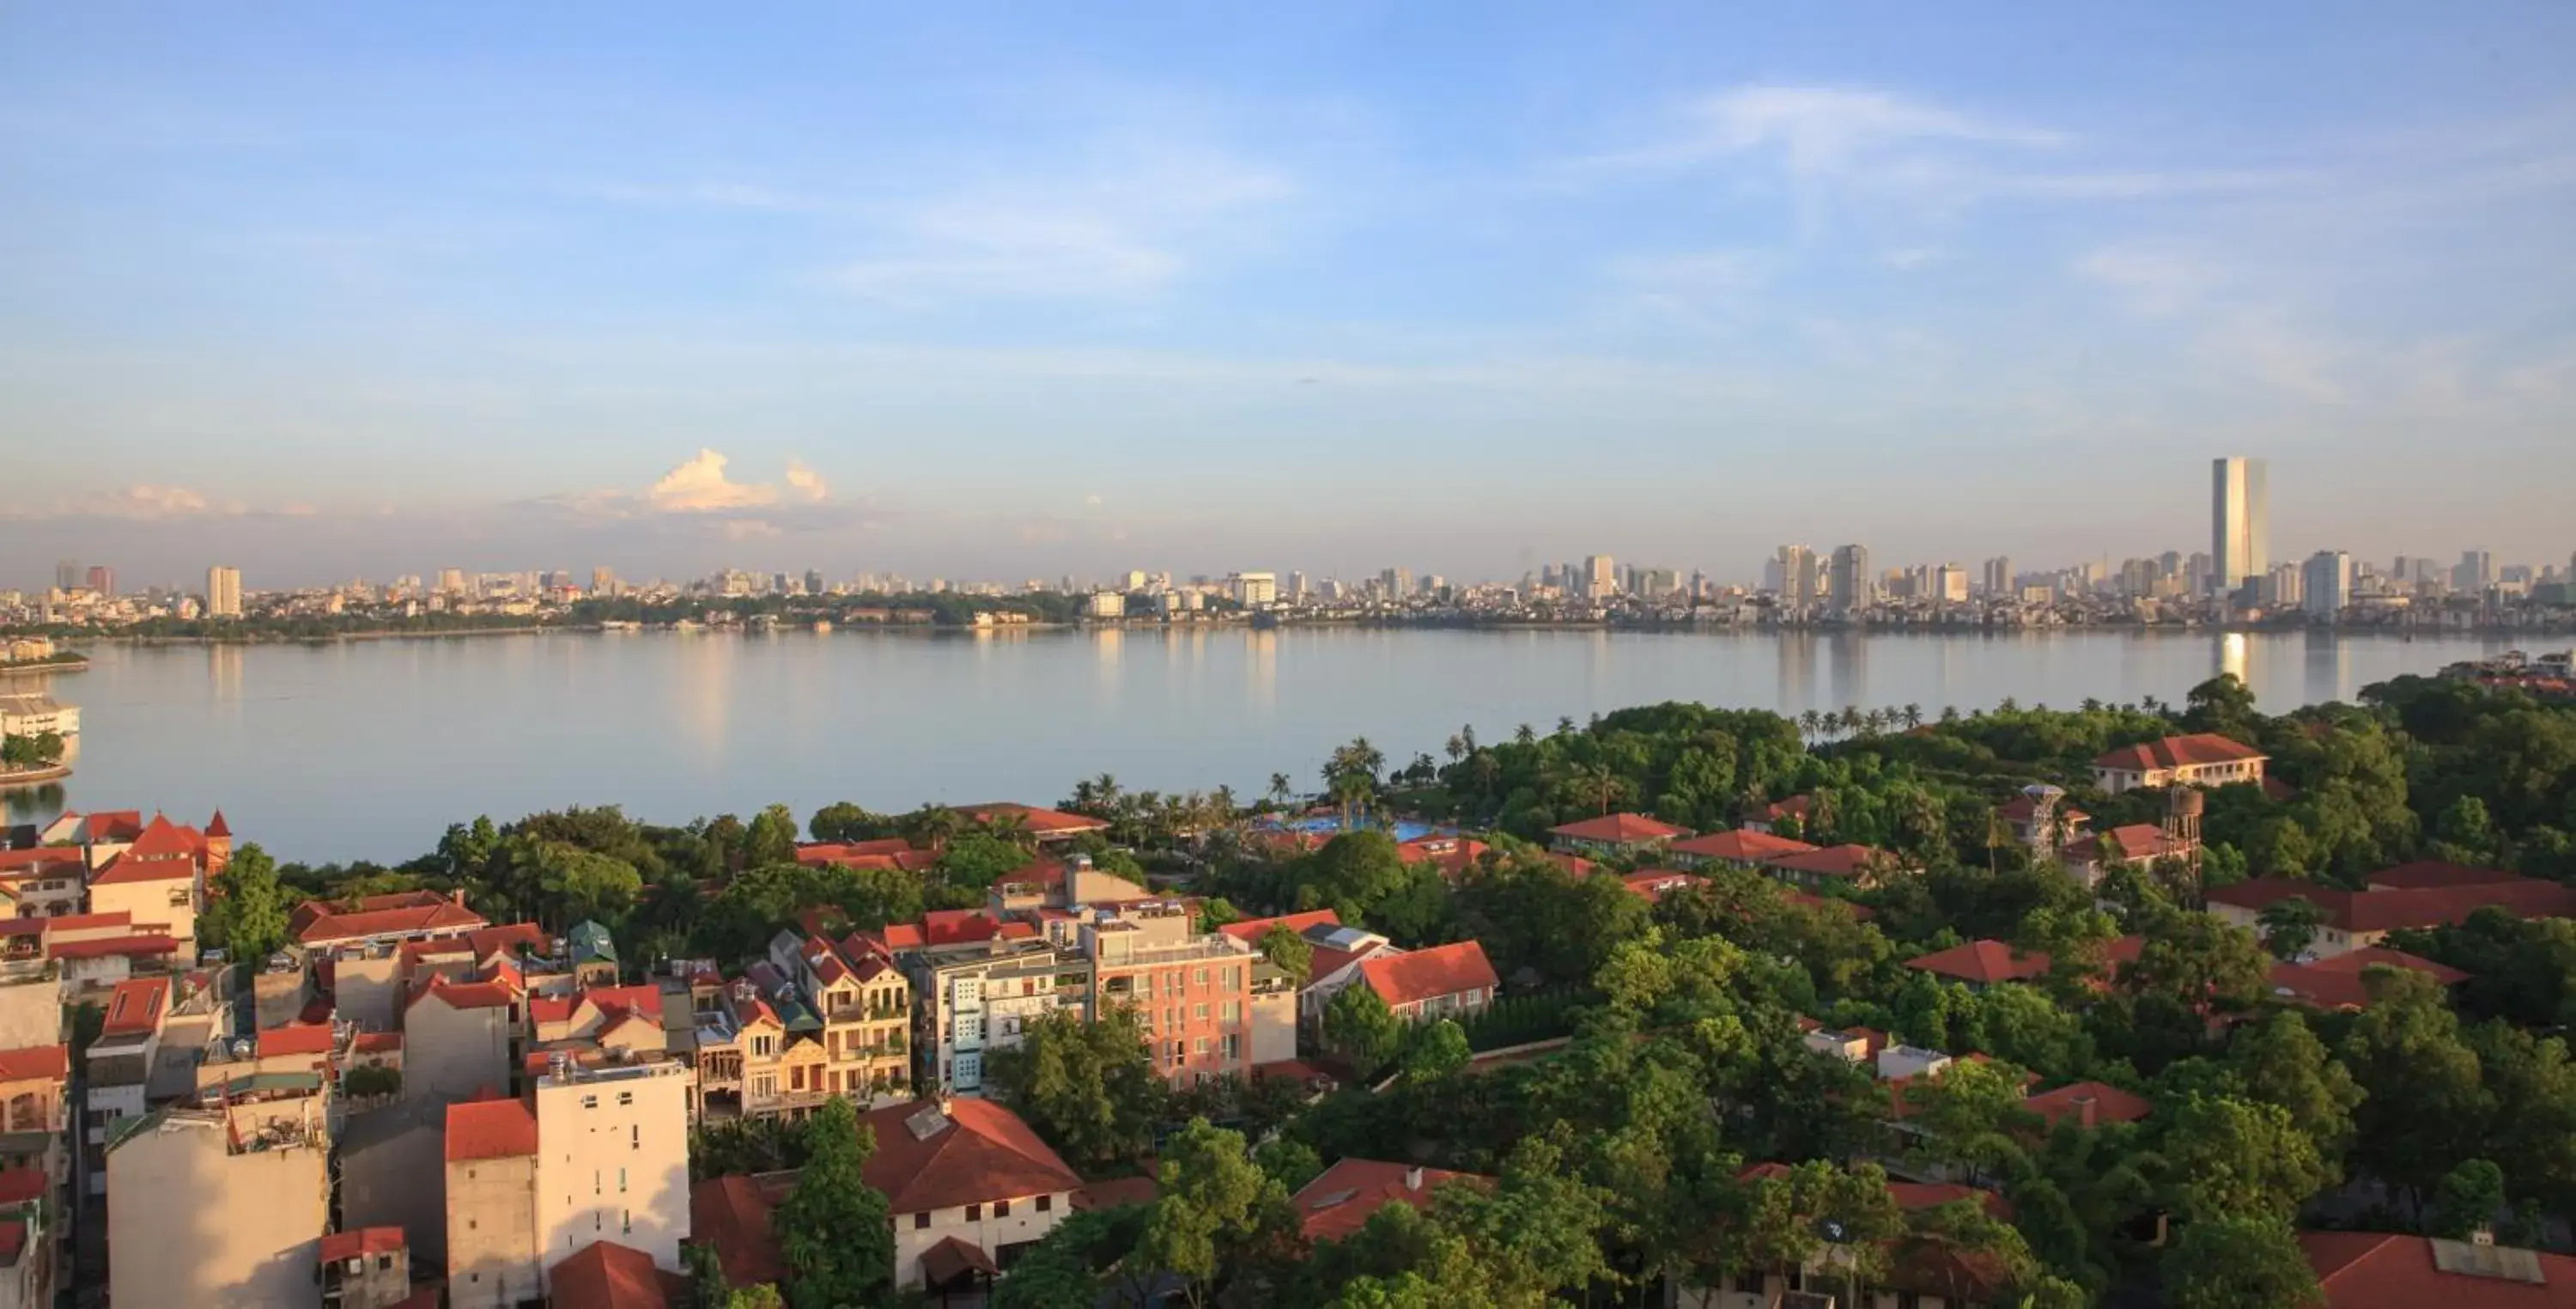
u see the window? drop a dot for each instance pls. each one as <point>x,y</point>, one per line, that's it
<point>1200,1047</point>
<point>1748,1283</point>
<point>621,1181</point>
<point>594,1181</point>
<point>1202,1014</point>
<point>590,1102</point>
<point>1234,1011</point>
<point>1201,979</point>
<point>635,1136</point>
<point>1045,1203</point>
<point>974,1213</point>
<point>626,1097</point>
<point>383,1262</point>
<point>626,1225</point>
<point>1233,1046</point>
<point>1001,1208</point>
<point>921,1220</point>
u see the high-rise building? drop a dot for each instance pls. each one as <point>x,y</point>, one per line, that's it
<point>2475,573</point>
<point>223,592</point>
<point>2240,522</point>
<point>1999,578</point>
<point>1255,590</point>
<point>1600,577</point>
<point>1797,577</point>
<point>2325,586</point>
<point>1296,586</point>
<point>603,581</point>
<point>451,582</point>
<point>1950,583</point>
<point>67,574</point>
<point>102,580</point>
<point>1854,587</point>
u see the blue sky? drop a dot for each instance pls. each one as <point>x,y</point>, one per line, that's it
<point>374,289</point>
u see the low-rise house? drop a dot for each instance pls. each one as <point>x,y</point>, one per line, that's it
<point>366,1268</point>
<point>461,1039</point>
<point>2088,858</point>
<point>1838,865</point>
<point>1454,856</point>
<point>2039,816</point>
<point>970,1187</point>
<point>2391,1270</point>
<point>865,1003</point>
<point>2089,1104</point>
<point>1655,883</point>
<point>1442,981</point>
<point>1045,825</point>
<point>223,1200</point>
<point>43,882</point>
<point>1342,1198</point>
<point>1986,962</point>
<point>2199,759</point>
<point>1337,955</point>
<point>1615,836</point>
<point>1737,847</point>
<point>2358,919</point>
<point>322,926</point>
<point>1918,1276</point>
<point>159,878</point>
<point>609,1275</point>
<point>492,1243</point>
<point>1769,816</point>
<point>2336,983</point>
<point>31,1230</point>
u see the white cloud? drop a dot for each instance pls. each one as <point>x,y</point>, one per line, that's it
<point>146,501</point>
<point>700,485</point>
<point>2153,281</point>
<point>806,483</point>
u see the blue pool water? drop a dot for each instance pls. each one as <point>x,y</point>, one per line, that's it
<point>1403,830</point>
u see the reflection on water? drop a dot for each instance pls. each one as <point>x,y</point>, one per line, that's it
<point>369,749</point>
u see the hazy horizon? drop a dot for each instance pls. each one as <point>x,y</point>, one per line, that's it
<point>318,291</point>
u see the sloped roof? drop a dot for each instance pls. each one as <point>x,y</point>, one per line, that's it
<point>112,825</point>
<point>1342,1198</point>
<point>490,1129</point>
<point>141,943</point>
<point>984,1153</point>
<point>2336,983</point>
<point>1619,829</point>
<point>29,1063</point>
<point>606,1275</point>
<point>322,922</point>
<point>24,1183</point>
<point>1654,882</point>
<point>1418,975</point>
<point>1452,855</point>
<point>295,1039</point>
<point>2089,1104</point>
<point>2382,911</point>
<point>1983,962</point>
<point>1835,861</point>
<point>136,1006</point>
<point>364,1241</point>
<point>2387,1270</point>
<point>127,870</point>
<point>165,840</point>
<point>1251,930</point>
<point>2426,873</point>
<point>1041,822</point>
<point>2022,809</point>
<point>732,1214</point>
<point>2196,750</point>
<point>1740,845</point>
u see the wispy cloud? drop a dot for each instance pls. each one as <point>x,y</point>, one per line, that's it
<point>711,195</point>
<point>2154,281</point>
<point>1127,223</point>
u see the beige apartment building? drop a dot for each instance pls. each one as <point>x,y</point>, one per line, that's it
<point>460,1039</point>
<point>492,1205</point>
<point>864,1007</point>
<point>224,1201</point>
<point>613,1161</point>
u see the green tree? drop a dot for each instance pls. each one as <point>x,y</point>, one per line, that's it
<point>1362,1030</point>
<point>1210,1200</point>
<point>2290,926</point>
<point>2280,1061</point>
<point>772,838</point>
<point>2467,1198</point>
<point>1293,954</point>
<point>2427,1106</point>
<point>1216,912</point>
<point>2223,705</point>
<point>1434,1052</point>
<point>248,910</point>
<point>834,1230</point>
<point>844,821</point>
<point>2241,1261</point>
<point>584,884</point>
<point>1088,1087</point>
<point>758,1296</point>
<point>2236,1157</point>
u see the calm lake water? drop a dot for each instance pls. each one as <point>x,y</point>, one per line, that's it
<point>369,749</point>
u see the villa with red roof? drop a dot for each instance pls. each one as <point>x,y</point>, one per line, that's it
<point>1342,1198</point>
<point>461,1038</point>
<point>318,925</point>
<point>1926,1275</point>
<point>1614,836</point>
<point>160,877</point>
<point>1767,817</point>
<point>1985,962</point>
<point>2200,759</point>
<point>1736,847</point>
<point>2417,899</point>
<point>2336,983</point>
<point>1837,865</point>
<point>2389,1270</point>
<point>1441,981</point>
<point>2089,1104</point>
<point>1047,825</point>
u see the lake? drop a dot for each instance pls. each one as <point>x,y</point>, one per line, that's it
<point>368,749</point>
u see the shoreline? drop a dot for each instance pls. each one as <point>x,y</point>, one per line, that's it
<point>80,665</point>
<point>21,780</point>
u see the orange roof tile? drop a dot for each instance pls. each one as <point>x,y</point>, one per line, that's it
<point>2197,750</point>
<point>985,1153</point>
<point>2089,1104</point>
<point>2381,911</point>
<point>1844,861</point>
<point>1342,1198</point>
<point>1251,930</point>
<point>1041,822</point>
<point>1983,962</point>
<point>364,1241</point>
<point>2384,1270</point>
<point>490,1129</point>
<point>1620,829</point>
<point>1740,845</point>
<point>1418,975</point>
<point>606,1275</point>
<point>36,1062</point>
<point>732,1214</point>
<point>135,1006</point>
<point>295,1039</point>
<point>2336,983</point>
<point>138,944</point>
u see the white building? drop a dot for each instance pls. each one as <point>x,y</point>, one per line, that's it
<point>29,714</point>
<point>613,1161</point>
<point>2325,585</point>
<point>2240,522</point>
<point>223,592</point>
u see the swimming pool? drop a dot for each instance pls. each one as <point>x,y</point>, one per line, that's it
<point>1404,829</point>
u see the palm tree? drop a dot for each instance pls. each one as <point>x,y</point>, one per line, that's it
<point>1467,734</point>
<point>1601,781</point>
<point>1105,793</point>
<point>1012,826</point>
<point>1811,724</point>
<point>1222,809</point>
<point>1457,747</point>
<point>1525,735</point>
<point>1872,721</point>
<point>1913,716</point>
<point>1850,720</point>
<point>1564,724</point>
<point>1949,713</point>
<point>1281,791</point>
<point>1352,792</point>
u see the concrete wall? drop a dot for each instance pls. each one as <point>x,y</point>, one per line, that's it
<point>1274,1027</point>
<point>149,902</point>
<point>368,992</point>
<point>193,1225</point>
<point>385,1156</point>
<point>31,1013</point>
<point>987,1230</point>
<point>613,1163</point>
<point>492,1233</point>
<point>454,1053</point>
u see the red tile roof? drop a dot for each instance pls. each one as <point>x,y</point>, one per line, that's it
<point>317,922</point>
<point>2381,911</point>
<point>1573,865</point>
<point>1452,855</point>
<point>2022,809</point>
<point>2128,843</point>
<point>1041,822</point>
<point>1418,975</point>
<point>1251,930</point>
<point>1933,1195</point>
<point>490,1129</point>
<point>1654,882</point>
<point>606,1275</point>
<point>217,826</point>
<point>613,1002</point>
<point>112,826</point>
<point>985,1153</point>
<point>135,1006</point>
<point>126,870</point>
<point>2089,1104</point>
<point>41,861</point>
<point>295,1039</point>
<point>1620,829</point>
<point>34,1062</point>
<point>140,944</point>
<point>1983,962</point>
<point>2336,983</point>
<point>364,1241</point>
<point>1342,1198</point>
<point>2194,751</point>
<point>1843,861</point>
<point>1795,806</point>
<point>1740,845</point>
<point>2383,1270</point>
<point>2424,873</point>
<point>87,922</point>
<point>376,1043</point>
<point>165,841</point>
<point>731,1214</point>
<point>464,995</point>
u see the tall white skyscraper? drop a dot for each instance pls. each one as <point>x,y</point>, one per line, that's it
<point>1854,586</point>
<point>2326,586</point>
<point>1999,575</point>
<point>2240,521</point>
<point>1600,577</point>
<point>223,592</point>
<point>1797,576</point>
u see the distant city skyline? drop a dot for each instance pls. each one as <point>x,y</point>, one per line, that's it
<point>1316,287</point>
